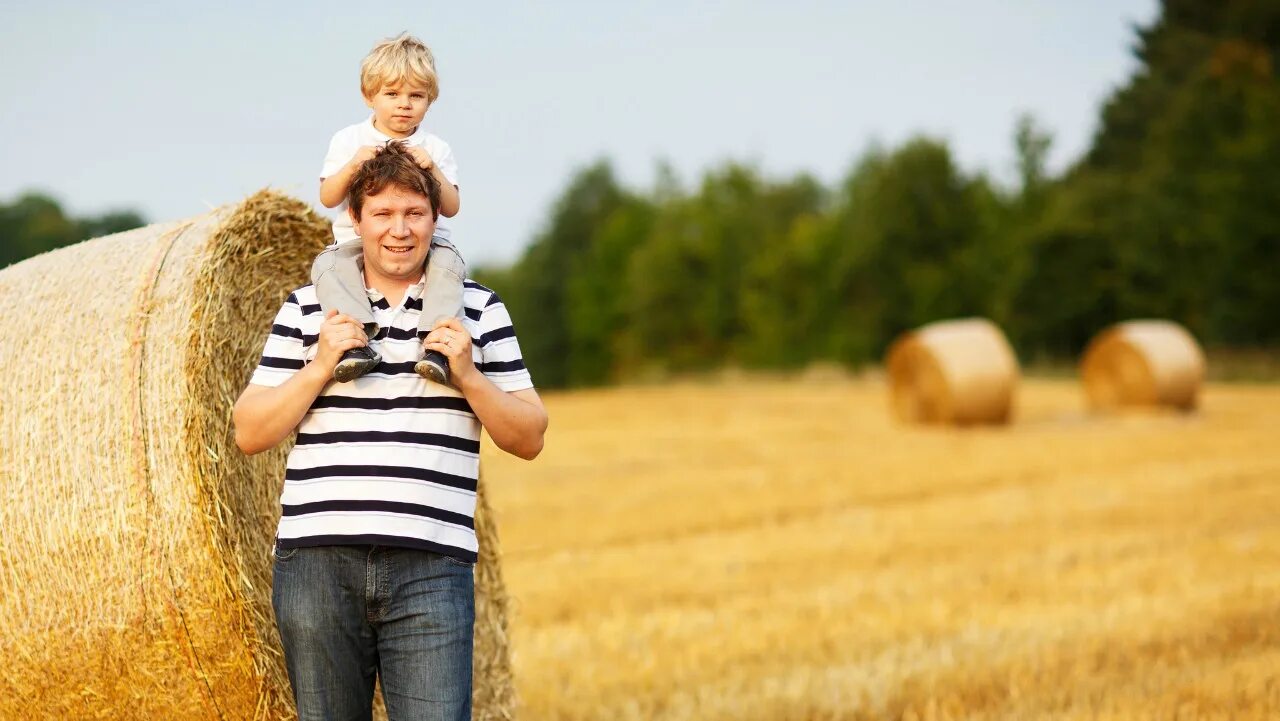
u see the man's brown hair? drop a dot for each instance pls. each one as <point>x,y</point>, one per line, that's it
<point>392,165</point>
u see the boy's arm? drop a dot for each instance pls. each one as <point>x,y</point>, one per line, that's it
<point>450,202</point>
<point>333,189</point>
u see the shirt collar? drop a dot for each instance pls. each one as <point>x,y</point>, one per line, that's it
<point>383,137</point>
<point>414,292</point>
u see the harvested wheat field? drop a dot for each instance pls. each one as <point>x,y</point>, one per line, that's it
<point>784,550</point>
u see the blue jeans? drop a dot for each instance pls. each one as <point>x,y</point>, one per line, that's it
<point>349,614</point>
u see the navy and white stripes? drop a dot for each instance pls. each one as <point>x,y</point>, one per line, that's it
<point>390,458</point>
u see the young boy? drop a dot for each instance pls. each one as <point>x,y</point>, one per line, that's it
<point>398,81</point>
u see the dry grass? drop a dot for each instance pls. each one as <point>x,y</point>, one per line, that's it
<point>782,550</point>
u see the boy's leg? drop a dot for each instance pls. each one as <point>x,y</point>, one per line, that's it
<point>340,286</point>
<point>441,299</point>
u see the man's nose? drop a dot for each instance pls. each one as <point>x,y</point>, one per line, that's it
<point>400,228</point>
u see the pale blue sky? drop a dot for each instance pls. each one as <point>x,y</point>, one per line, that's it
<point>170,109</point>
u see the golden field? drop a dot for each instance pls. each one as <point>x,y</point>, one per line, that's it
<point>768,549</point>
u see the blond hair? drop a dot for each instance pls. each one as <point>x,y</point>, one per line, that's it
<point>396,60</point>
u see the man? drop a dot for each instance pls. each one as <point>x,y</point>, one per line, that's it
<point>376,545</point>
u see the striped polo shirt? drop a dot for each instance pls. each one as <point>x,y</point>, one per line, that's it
<point>389,458</point>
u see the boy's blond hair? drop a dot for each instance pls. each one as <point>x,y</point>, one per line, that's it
<point>396,60</point>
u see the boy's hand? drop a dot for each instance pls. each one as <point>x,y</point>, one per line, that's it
<point>421,157</point>
<point>364,153</point>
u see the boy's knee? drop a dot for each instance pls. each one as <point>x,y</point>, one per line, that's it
<point>323,263</point>
<point>445,256</point>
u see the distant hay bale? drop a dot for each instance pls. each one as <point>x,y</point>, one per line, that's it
<point>135,539</point>
<point>1143,363</point>
<point>957,372</point>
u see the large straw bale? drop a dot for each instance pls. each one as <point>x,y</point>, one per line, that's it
<point>953,372</point>
<point>135,539</point>
<point>1143,363</point>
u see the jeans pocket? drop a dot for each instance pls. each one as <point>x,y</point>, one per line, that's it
<point>282,554</point>
<point>458,562</point>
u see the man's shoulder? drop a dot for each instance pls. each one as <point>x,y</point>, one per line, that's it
<point>305,299</point>
<point>478,296</point>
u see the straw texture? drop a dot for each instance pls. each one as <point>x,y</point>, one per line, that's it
<point>1143,363</point>
<point>135,539</point>
<point>953,372</point>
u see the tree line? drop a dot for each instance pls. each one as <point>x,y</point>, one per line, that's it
<point>1174,212</point>
<point>34,223</point>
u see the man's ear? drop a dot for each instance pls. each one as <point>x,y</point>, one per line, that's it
<point>355,222</point>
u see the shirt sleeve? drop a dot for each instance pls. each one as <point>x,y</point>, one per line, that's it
<point>340,151</point>
<point>284,353</point>
<point>500,358</point>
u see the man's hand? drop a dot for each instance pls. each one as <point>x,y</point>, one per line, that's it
<point>338,334</point>
<point>516,421</point>
<point>452,339</point>
<point>264,416</point>
<point>420,156</point>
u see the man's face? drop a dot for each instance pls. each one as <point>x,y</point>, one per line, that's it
<point>395,229</point>
<point>398,108</point>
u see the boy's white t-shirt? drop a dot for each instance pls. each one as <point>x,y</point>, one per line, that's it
<point>350,139</point>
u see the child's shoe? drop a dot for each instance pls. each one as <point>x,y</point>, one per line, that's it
<point>434,367</point>
<point>355,363</point>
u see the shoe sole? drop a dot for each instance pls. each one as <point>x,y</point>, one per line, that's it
<point>347,371</point>
<point>431,372</point>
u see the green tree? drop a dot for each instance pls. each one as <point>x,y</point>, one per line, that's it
<point>691,303</point>
<point>539,288</point>
<point>1172,212</point>
<point>35,223</point>
<point>903,252</point>
<point>596,286</point>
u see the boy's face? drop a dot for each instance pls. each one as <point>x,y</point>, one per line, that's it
<point>398,108</point>
<point>395,228</point>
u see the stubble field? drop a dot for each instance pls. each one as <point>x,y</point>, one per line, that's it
<point>784,550</point>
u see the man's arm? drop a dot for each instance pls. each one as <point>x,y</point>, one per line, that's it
<point>516,420</point>
<point>264,416</point>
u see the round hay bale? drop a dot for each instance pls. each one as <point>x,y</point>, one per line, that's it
<point>958,372</point>
<point>1143,363</point>
<point>135,539</point>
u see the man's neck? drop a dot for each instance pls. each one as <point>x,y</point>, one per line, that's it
<point>391,289</point>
